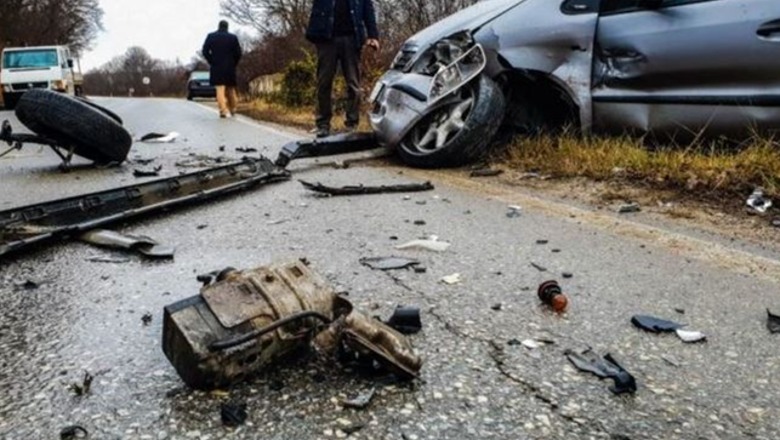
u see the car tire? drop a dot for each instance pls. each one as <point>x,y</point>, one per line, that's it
<point>94,132</point>
<point>468,143</point>
<point>10,101</point>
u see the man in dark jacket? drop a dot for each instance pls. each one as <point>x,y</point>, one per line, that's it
<point>223,52</point>
<point>340,29</point>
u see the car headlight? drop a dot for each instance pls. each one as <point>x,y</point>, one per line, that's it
<point>443,53</point>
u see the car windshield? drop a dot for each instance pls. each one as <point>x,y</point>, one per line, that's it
<point>25,59</point>
<point>200,76</point>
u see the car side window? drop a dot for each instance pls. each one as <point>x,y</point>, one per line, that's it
<point>613,7</point>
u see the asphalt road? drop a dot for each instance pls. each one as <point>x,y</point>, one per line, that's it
<point>86,316</point>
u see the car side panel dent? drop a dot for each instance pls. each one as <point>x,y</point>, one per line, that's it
<point>538,37</point>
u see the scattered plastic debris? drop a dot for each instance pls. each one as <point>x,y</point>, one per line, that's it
<point>28,285</point>
<point>137,243</point>
<point>389,263</point>
<point>431,244</point>
<point>73,432</point>
<point>513,211</point>
<point>159,138</point>
<point>655,325</point>
<point>531,344</point>
<point>486,172</point>
<point>84,387</point>
<point>353,190</point>
<point>153,172</point>
<point>497,307</point>
<point>233,414</point>
<point>147,319</point>
<point>542,242</point>
<point>419,222</point>
<point>551,294</point>
<point>246,150</point>
<point>361,401</point>
<point>690,336</point>
<point>406,320</point>
<point>538,267</point>
<point>758,202</point>
<point>773,322</point>
<point>451,279</point>
<point>567,275</point>
<point>112,260</point>
<point>589,362</point>
<point>628,208</point>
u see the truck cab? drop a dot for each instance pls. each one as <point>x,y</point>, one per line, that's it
<point>40,67</point>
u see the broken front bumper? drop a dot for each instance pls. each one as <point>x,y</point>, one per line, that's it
<point>399,101</point>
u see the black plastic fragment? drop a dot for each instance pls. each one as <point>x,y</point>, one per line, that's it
<point>406,320</point>
<point>389,263</point>
<point>152,135</point>
<point>608,367</point>
<point>486,172</point>
<point>147,172</point>
<point>354,190</point>
<point>772,322</point>
<point>73,432</point>
<point>233,414</point>
<point>246,150</point>
<point>655,325</point>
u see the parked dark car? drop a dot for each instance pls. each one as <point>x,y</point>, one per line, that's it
<point>199,86</point>
<point>672,68</point>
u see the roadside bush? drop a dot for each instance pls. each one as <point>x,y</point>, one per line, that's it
<point>299,82</point>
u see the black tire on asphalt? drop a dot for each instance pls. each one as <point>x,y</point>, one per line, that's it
<point>473,140</point>
<point>10,101</point>
<point>92,130</point>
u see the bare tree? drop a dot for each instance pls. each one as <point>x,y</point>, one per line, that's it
<point>47,22</point>
<point>269,17</point>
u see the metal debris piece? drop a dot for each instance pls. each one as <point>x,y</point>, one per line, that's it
<point>233,414</point>
<point>361,401</point>
<point>538,267</point>
<point>758,202</point>
<point>628,208</point>
<point>136,243</point>
<point>655,325</point>
<point>243,321</point>
<point>354,190</point>
<point>159,138</point>
<point>451,279</point>
<point>246,150</point>
<point>486,172</point>
<point>389,263</point>
<point>153,172</point>
<point>428,245</point>
<point>608,367</point>
<point>84,387</point>
<point>30,225</point>
<point>73,432</point>
<point>406,320</point>
<point>690,336</point>
<point>772,322</point>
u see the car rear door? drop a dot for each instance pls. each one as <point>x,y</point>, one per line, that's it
<point>682,66</point>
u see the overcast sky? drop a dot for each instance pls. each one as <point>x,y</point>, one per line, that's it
<point>167,29</point>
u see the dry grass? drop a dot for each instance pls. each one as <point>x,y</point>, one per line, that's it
<point>302,117</point>
<point>711,169</point>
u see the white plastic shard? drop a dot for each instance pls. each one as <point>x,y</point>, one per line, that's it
<point>428,245</point>
<point>690,336</point>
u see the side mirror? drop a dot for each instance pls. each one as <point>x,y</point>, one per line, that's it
<point>70,63</point>
<point>650,4</point>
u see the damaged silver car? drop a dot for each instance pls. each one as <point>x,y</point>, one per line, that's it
<point>672,68</point>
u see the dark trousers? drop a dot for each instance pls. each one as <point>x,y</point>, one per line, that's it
<point>340,51</point>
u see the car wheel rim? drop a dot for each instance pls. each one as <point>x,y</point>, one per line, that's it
<point>433,133</point>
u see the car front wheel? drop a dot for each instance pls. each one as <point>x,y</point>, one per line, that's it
<point>458,132</point>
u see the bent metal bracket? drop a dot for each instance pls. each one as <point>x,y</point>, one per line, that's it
<point>21,228</point>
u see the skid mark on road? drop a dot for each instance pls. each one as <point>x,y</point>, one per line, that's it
<point>711,252</point>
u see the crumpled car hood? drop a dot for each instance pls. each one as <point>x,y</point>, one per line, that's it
<point>466,19</point>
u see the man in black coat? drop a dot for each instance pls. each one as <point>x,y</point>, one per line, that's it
<point>223,52</point>
<point>340,29</point>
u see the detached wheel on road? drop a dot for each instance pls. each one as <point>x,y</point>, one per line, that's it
<point>458,132</point>
<point>94,132</point>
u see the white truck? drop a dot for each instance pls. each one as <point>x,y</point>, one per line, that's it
<point>40,67</point>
